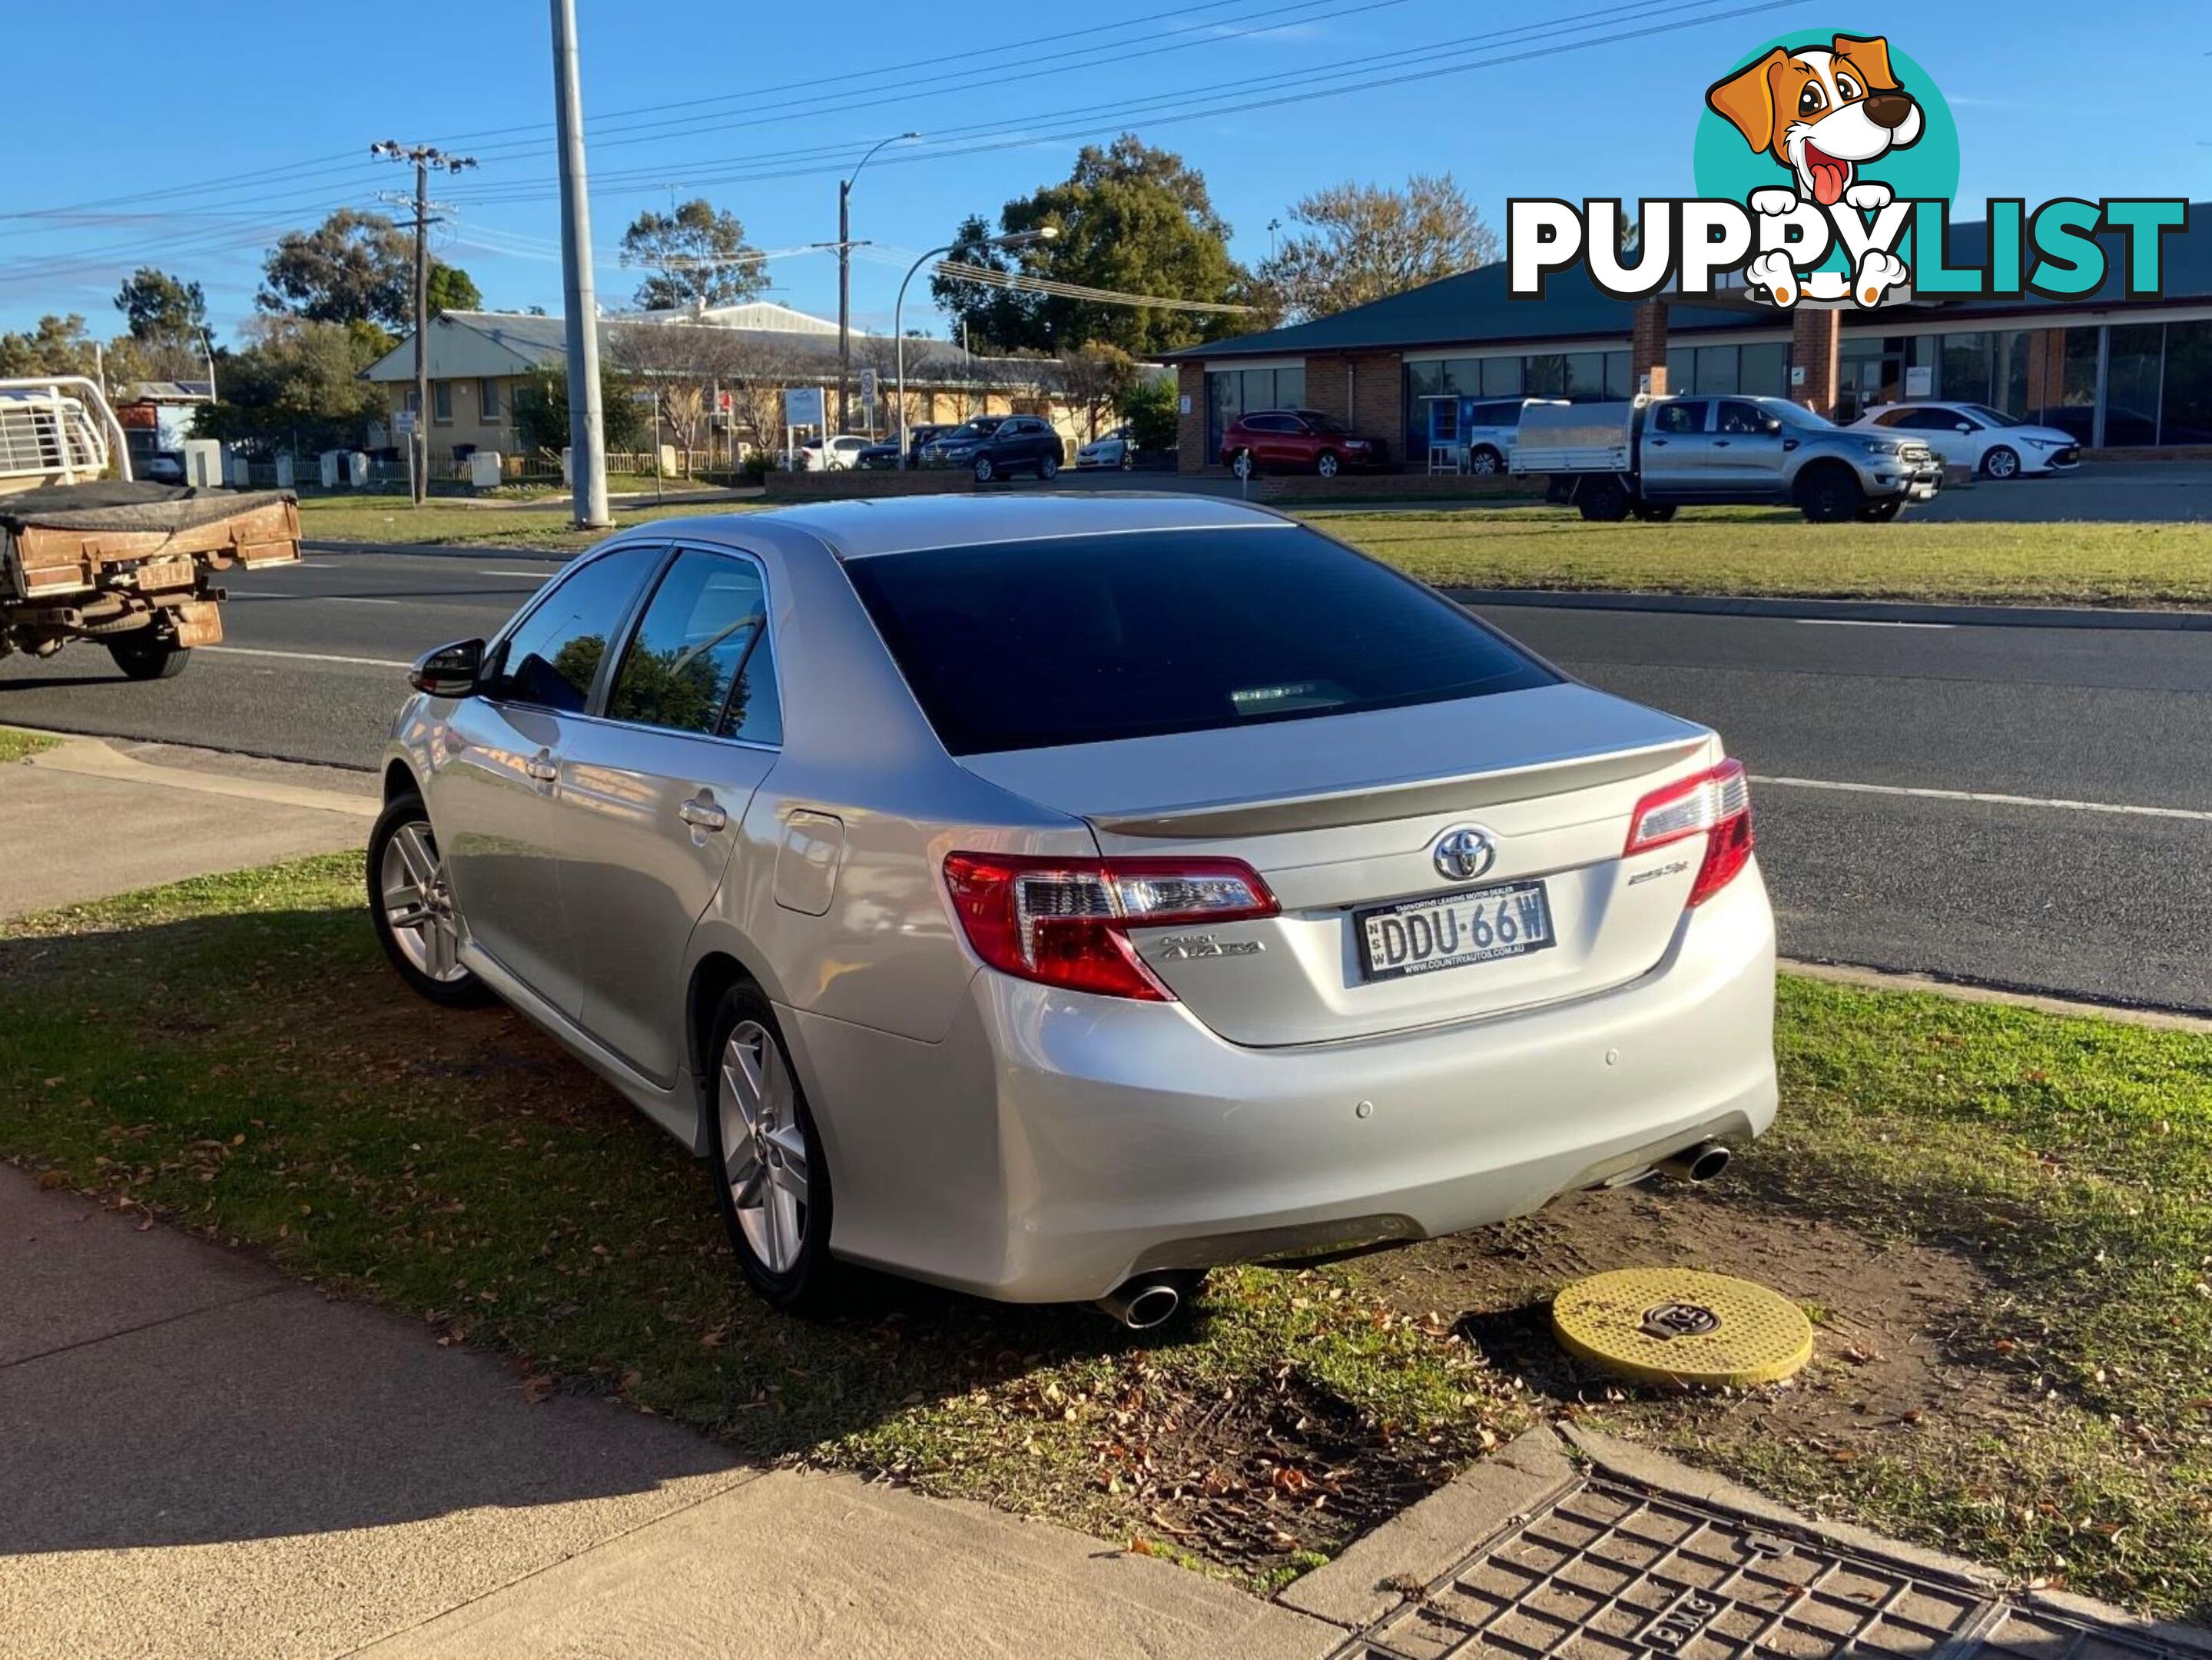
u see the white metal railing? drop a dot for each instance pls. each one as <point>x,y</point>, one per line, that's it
<point>58,429</point>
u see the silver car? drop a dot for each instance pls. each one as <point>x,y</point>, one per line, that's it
<point>1051,897</point>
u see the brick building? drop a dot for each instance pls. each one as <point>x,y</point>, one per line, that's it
<point>2118,373</point>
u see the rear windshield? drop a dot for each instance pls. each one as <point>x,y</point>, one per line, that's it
<point>1035,645</point>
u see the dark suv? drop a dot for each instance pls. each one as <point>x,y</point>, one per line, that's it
<point>1296,441</point>
<point>999,445</point>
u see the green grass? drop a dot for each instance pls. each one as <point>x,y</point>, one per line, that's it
<point>2071,1160</point>
<point>232,1054</point>
<point>19,745</point>
<point>439,524</point>
<point>1757,552</point>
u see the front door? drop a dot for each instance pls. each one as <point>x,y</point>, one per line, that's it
<point>494,787</point>
<point>653,793</point>
<point>1746,447</point>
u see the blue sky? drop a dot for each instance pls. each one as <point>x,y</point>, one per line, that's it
<point>226,120</point>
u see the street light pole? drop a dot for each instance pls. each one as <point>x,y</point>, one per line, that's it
<point>845,276</point>
<point>587,448</point>
<point>1020,239</point>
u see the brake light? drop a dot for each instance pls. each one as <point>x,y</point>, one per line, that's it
<point>1715,804</point>
<point>1066,921</point>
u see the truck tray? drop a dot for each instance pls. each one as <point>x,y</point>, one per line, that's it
<point>65,538</point>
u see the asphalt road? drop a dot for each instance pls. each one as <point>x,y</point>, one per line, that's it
<point>1849,727</point>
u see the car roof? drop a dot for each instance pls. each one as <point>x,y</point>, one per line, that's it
<point>888,525</point>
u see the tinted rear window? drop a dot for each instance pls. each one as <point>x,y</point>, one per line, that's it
<point>1035,645</point>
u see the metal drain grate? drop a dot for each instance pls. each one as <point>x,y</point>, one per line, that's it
<point>1611,1572</point>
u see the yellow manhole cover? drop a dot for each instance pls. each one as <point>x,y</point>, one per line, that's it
<point>1678,1326</point>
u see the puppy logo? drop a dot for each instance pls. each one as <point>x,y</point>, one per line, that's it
<point>1823,112</point>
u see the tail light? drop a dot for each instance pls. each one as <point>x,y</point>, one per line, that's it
<point>1715,804</point>
<point>1066,921</point>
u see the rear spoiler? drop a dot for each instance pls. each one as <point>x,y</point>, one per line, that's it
<point>1373,803</point>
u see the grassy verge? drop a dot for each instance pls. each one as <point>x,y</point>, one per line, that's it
<point>1755,551</point>
<point>16,745</point>
<point>435,524</point>
<point>231,1054</point>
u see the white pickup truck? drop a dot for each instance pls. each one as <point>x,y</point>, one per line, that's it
<point>1648,456</point>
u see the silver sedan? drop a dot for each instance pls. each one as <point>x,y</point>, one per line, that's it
<point>1053,897</point>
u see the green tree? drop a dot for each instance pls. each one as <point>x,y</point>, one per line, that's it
<point>696,256</point>
<point>1364,242</point>
<point>162,310</point>
<point>1150,411</point>
<point>297,383</point>
<point>58,345</point>
<point>353,267</point>
<point>1128,217</point>
<point>541,411</point>
<point>452,288</point>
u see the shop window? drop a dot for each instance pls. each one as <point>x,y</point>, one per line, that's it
<point>1502,377</point>
<point>1762,371</point>
<point>2185,396</point>
<point>2131,375</point>
<point>1585,376</point>
<point>1681,369</point>
<point>1618,382</point>
<point>1718,369</point>
<point>1291,388</point>
<point>1547,375</point>
<point>1964,368</point>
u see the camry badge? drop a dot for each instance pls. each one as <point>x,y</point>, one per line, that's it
<point>1464,854</point>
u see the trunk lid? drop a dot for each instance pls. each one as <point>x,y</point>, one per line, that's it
<point>1340,814</point>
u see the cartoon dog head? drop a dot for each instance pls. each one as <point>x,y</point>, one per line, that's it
<point>1820,112</point>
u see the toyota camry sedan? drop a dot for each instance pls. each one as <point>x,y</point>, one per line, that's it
<point>1054,897</point>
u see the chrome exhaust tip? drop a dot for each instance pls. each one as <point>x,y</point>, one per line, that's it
<point>1701,1162</point>
<point>1148,1301</point>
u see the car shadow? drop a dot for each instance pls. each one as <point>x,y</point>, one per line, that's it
<point>439,1263</point>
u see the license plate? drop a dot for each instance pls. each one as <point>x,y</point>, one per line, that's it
<point>1451,931</point>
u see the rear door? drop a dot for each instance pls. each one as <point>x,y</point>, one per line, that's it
<point>1674,454</point>
<point>494,786</point>
<point>652,790</point>
<point>1746,447</point>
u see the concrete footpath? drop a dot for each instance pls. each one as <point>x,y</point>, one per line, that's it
<point>95,816</point>
<point>200,1457</point>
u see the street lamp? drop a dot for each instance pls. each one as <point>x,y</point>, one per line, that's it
<point>1019,238</point>
<point>845,272</point>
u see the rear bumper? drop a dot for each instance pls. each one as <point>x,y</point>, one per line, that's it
<point>1055,1144</point>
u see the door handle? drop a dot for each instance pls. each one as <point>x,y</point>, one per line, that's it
<point>541,767</point>
<point>701,813</point>
<point>1658,443</point>
<point>1720,443</point>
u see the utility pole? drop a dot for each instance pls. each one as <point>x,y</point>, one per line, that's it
<point>424,157</point>
<point>844,275</point>
<point>587,450</point>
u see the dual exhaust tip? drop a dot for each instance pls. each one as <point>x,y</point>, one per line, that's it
<point>1147,1301</point>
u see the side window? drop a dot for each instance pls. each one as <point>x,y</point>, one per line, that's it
<point>553,656</point>
<point>1896,417</point>
<point>1676,419</point>
<point>699,661</point>
<point>1933,421</point>
<point>1738,419</point>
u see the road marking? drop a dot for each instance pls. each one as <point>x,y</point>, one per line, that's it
<point>1866,622</point>
<point>2195,814</point>
<point>309,656</point>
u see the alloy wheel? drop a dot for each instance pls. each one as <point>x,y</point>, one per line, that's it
<point>2000,463</point>
<point>418,903</point>
<point>764,1148</point>
<point>1326,466</point>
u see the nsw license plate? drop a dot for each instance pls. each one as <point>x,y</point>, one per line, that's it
<point>1451,931</point>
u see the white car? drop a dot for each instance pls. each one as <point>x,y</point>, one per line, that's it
<point>1113,449</point>
<point>1988,440</point>
<point>1055,896</point>
<point>836,454</point>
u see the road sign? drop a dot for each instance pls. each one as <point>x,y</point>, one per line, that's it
<point>403,423</point>
<point>802,406</point>
<point>723,403</point>
<point>867,386</point>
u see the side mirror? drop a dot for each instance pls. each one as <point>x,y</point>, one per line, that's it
<point>455,670</point>
<point>1964,426</point>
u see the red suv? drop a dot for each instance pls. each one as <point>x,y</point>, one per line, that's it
<point>1296,440</point>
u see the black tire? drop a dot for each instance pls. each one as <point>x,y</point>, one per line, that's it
<point>2002,462</point>
<point>1484,462</point>
<point>984,472</point>
<point>464,991</point>
<point>1326,465</point>
<point>1655,513</point>
<point>814,1283</point>
<point>1049,468</point>
<point>1604,502</point>
<point>1244,465</point>
<point>1830,495</point>
<point>142,654</point>
<point>1881,512</point>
